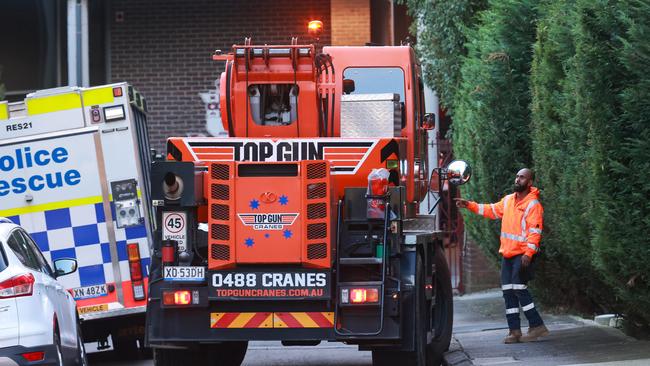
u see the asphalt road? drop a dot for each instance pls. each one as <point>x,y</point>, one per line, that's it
<point>273,354</point>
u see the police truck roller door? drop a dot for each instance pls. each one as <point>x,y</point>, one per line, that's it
<point>71,163</point>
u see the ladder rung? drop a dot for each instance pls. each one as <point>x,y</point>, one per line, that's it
<point>360,283</point>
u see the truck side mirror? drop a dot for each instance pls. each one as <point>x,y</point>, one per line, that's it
<point>429,121</point>
<point>458,172</point>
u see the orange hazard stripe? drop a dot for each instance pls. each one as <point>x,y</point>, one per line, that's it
<point>272,320</point>
<point>303,320</point>
<point>241,320</point>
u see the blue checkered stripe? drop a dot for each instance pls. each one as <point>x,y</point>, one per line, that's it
<point>80,232</point>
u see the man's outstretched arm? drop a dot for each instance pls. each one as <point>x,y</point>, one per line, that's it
<point>490,210</point>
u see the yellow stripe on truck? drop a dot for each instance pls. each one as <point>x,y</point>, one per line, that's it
<point>98,96</point>
<point>51,206</point>
<point>4,110</point>
<point>53,103</point>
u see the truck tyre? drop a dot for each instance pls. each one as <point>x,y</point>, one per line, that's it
<point>227,353</point>
<point>174,357</point>
<point>443,310</point>
<point>426,354</point>
<point>125,349</point>
<point>417,357</point>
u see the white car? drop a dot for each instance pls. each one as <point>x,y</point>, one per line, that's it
<point>38,317</point>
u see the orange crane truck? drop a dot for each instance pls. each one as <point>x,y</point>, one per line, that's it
<point>302,225</point>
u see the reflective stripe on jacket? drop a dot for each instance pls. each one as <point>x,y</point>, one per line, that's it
<point>521,222</point>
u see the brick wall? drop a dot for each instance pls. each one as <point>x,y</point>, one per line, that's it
<point>478,272</point>
<point>164,48</point>
<point>350,22</point>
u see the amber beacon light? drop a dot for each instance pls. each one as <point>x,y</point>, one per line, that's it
<point>315,28</point>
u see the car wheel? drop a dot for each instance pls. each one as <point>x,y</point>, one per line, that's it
<point>57,346</point>
<point>82,358</point>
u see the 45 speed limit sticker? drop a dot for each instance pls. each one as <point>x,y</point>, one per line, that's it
<point>175,227</point>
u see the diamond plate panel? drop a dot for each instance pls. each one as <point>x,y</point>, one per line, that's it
<point>370,115</point>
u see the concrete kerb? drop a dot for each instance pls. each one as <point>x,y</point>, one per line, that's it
<point>456,356</point>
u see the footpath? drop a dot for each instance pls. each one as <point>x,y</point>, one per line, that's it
<point>480,325</point>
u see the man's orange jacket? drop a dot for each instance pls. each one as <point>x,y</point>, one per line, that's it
<point>521,222</point>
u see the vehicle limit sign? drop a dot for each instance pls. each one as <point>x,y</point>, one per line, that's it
<point>175,228</point>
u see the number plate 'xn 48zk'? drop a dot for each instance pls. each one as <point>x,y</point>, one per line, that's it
<point>89,292</point>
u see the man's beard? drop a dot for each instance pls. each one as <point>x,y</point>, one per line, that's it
<point>518,188</point>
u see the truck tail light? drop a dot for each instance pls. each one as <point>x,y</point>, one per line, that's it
<point>360,296</point>
<point>21,285</point>
<point>135,267</point>
<point>180,297</point>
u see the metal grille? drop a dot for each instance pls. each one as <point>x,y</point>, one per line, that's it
<point>316,231</point>
<point>220,252</point>
<point>316,211</point>
<point>220,192</point>
<point>316,171</point>
<point>220,212</point>
<point>317,251</point>
<point>316,190</point>
<point>220,232</point>
<point>220,171</point>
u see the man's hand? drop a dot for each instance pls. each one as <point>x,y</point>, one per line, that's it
<point>461,203</point>
<point>525,261</point>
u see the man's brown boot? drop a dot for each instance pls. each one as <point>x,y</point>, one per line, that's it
<point>534,333</point>
<point>512,337</point>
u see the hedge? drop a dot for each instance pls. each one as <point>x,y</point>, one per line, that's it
<point>560,85</point>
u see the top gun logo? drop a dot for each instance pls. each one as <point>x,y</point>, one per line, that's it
<point>345,156</point>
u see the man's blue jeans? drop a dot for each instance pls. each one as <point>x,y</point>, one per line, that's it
<point>515,293</point>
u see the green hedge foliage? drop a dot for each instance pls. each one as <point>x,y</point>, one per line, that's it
<point>562,86</point>
<point>491,118</point>
<point>441,41</point>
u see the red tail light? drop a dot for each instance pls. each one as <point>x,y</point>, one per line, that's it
<point>360,296</point>
<point>21,285</point>
<point>135,267</point>
<point>180,297</point>
<point>34,356</point>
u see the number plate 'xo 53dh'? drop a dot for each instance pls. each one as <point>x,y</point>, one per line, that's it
<point>251,285</point>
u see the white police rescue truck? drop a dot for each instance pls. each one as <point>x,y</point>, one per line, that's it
<point>74,172</point>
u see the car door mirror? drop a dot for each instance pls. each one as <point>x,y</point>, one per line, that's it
<point>64,266</point>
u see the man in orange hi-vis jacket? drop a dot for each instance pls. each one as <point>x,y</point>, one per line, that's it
<point>521,216</point>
